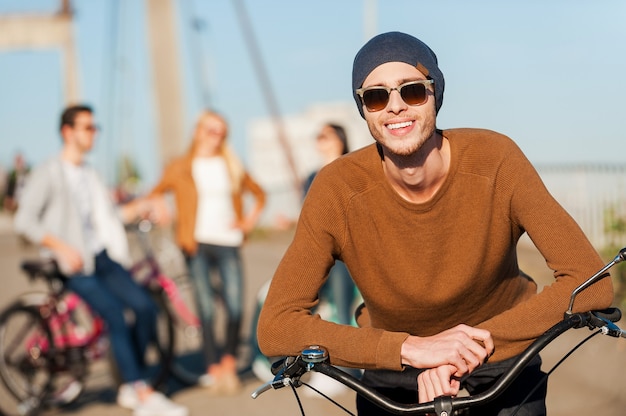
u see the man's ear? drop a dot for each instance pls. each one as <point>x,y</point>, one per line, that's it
<point>66,130</point>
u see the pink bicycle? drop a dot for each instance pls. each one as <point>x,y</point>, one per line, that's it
<point>162,267</point>
<point>48,340</point>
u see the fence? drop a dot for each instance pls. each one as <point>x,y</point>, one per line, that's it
<point>593,194</point>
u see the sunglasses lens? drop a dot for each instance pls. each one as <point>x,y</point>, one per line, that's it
<point>375,99</point>
<point>413,94</point>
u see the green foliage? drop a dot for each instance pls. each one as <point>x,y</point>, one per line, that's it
<point>615,229</point>
<point>128,179</point>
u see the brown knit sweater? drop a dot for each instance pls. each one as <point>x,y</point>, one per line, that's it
<point>424,268</point>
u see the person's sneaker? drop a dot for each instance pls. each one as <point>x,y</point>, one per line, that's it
<point>158,405</point>
<point>127,397</point>
<point>206,380</point>
<point>68,394</point>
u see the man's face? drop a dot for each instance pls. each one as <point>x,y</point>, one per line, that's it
<point>400,127</point>
<point>81,135</point>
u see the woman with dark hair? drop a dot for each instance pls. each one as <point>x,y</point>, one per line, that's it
<point>332,143</point>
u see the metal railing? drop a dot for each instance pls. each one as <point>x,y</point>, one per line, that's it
<point>594,194</point>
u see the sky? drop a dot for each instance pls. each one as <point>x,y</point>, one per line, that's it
<point>549,74</point>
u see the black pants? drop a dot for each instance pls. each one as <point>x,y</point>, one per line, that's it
<point>402,388</point>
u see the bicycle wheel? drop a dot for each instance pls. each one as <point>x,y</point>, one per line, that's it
<point>26,364</point>
<point>159,356</point>
<point>175,294</point>
<point>187,365</point>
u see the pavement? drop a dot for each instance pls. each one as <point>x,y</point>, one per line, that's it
<point>589,382</point>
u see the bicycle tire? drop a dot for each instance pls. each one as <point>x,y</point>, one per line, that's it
<point>27,373</point>
<point>178,298</point>
<point>165,340</point>
<point>187,365</point>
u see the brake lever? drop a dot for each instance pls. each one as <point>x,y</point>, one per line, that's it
<point>609,328</point>
<point>277,383</point>
<point>286,373</point>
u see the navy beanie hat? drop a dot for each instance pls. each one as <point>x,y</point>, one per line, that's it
<point>396,47</point>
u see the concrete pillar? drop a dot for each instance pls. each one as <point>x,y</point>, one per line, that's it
<point>168,87</point>
<point>44,32</point>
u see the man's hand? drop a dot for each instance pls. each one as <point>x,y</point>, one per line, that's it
<point>70,260</point>
<point>463,347</point>
<point>436,382</point>
<point>154,208</point>
<point>159,211</point>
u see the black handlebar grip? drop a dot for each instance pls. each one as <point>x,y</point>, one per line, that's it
<point>610,314</point>
<point>602,318</point>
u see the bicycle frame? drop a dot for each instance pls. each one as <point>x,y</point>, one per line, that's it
<point>58,308</point>
<point>156,276</point>
<point>56,335</point>
<point>65,332</point>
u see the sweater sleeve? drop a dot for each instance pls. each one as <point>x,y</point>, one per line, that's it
<point>287,325</point>
<point>567,251</point>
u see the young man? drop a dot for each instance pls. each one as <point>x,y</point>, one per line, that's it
<point>427,222</point>
<point>66,209</point>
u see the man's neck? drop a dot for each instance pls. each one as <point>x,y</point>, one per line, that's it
<point>72,155</point>
<point>418,177</point>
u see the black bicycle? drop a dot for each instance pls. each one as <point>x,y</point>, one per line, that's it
<point>288,371</point>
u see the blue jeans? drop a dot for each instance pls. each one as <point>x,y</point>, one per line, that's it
<point>228,287</point>
<point>341,291</point>
<point>109,291</point>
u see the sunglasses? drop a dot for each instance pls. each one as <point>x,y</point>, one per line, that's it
<point>413,93</point>
<point>91,128</point>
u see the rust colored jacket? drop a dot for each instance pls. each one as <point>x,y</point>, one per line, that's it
<point>178,179</point>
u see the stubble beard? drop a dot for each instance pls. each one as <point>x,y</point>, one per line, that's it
<point>406,147</point>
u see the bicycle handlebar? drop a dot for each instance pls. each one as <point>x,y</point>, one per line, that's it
<point>289,370</point>
<point>144,225</point>
<point>621,256</point>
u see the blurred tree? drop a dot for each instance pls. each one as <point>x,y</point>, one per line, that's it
<point>128,180</point>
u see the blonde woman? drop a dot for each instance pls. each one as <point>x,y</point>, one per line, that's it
<point>208,184</point>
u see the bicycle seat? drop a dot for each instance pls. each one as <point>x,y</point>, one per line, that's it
<point>46,268</point>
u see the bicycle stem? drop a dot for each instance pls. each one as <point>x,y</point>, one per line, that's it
<point>621,256</point>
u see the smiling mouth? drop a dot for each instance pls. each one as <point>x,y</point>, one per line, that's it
<point>394,126</point>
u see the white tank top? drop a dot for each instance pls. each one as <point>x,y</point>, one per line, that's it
<point>215,217</point>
